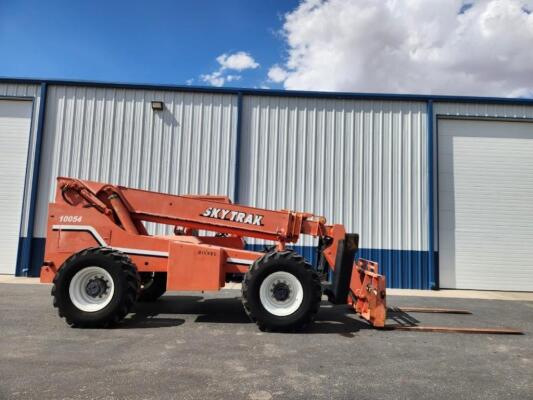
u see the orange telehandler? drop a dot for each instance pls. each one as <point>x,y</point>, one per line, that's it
<point>101,258</point>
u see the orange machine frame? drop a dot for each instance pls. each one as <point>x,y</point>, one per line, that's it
<point>91,214</point>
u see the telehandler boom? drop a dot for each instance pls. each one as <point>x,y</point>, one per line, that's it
<point>101,259</point>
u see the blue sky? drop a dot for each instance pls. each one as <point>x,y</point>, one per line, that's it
<point>457,47</point>
<point>139,41</point>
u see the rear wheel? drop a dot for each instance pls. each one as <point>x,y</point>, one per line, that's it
<point>96,287</point>
<point>153,285</point>
<point>281,292</point>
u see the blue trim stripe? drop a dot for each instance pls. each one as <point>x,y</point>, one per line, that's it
<point>270,92</point>
<point>406,269</point>
<point>36,257</point>
<point>20,249</point>
<point>402,268</point>
<point>431,198</point>
<point>25,244</point>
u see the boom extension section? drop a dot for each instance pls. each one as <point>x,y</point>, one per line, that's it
<point>92,225</point>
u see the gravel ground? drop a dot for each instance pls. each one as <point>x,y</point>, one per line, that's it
<point>201,346</point>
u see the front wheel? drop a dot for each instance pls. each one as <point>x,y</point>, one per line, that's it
<point>281,292</point>
<point>96,287</point>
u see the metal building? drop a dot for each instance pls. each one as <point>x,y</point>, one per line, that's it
<point>439,187</point>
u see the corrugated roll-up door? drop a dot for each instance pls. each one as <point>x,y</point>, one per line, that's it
<point>485,204</point>
<point>15,123</point>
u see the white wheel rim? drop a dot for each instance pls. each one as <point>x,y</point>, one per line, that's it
<point>292,293</point>
<point>91,289</point>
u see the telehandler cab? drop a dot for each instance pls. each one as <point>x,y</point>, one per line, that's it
<point>101,259</point>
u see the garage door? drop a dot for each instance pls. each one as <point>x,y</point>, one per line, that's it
<point>15,122</point>
<point>485,204</point>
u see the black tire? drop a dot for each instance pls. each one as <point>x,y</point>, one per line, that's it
<point>153,285</point>
<point>286,261</point>
<point>126,283</point>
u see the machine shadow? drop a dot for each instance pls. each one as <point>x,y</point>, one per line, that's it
<point>147,320</point>
<point>228,310</point>
<point>401,318</point>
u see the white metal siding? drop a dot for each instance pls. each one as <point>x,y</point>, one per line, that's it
<point>486,204</point>
<point>15,122</point>
<point>113,135</point>
<point>360,163</point>
<point>483,110</point>
<point>33,91</point>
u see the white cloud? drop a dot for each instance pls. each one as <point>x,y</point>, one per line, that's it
<point>238,61</point>
<point>214,79</point>
<point>231,78</point>
<point>277,74</point>
<point>409,46</point>
<point>189,82</point>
